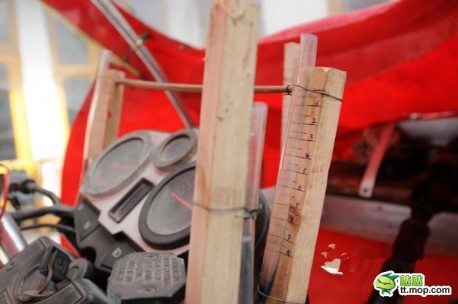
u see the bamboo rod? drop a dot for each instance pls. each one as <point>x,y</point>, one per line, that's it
<point>194,88</point>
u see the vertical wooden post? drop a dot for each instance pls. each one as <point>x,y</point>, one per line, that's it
<point>113,118</point>
<point>290,283</point>
<point>105,111</point>
<point>290,65</point>
<point>222,154</point>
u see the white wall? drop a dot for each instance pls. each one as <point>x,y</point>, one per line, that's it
<point>279,15</point>
<point>183,20</point>
<point>44,112</point>
<point>46,126</point>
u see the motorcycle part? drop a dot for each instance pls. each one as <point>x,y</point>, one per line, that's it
<point>21,280</point>
<point>147,278</point>
<point>165,219</point>
<point>177,149</point>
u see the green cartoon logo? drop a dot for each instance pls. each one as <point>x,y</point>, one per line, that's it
<point>385,283</point>
<point>407,284</point>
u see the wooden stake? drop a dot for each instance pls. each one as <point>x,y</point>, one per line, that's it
<point>104,114</point>
<point>114,106</point>
<point>222,154</point>
<point>105,111</point>
<point>290,64</point>
<point>291,279</point>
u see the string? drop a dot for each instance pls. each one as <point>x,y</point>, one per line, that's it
<point>249,213</point>
<point>27,295</point>
<point>321,92</point>
<point>274,298</point>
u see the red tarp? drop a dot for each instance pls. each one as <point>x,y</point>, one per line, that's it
<point>401,58</point>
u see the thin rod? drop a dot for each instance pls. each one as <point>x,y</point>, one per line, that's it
<point>194,88</point>
<point>110,11</point>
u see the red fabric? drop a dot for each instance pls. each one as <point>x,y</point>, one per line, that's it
<point>400,58</point>
<point>361,263</point>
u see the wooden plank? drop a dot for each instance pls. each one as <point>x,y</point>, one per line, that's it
<point>104,114</point>
<point>290,64</point>
<point>105,110</point>
<point>222,154</point>
<point>114,106</point>
<point>93,134</point>
<point>292,275</point>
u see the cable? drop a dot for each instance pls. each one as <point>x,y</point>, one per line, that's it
<point>35,188</point>
<point>20,182</point>
<point>39,292</point>
<point>29,186</point>
<point>58,227</point>
<point>61,211</point>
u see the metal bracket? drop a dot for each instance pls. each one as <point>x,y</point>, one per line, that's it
<point>366,187</point>
<point>110,11</point>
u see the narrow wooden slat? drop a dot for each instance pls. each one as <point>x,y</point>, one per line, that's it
<point>92,135</point>
<point>114,107</point>
<point>292,275</point>
<point>290,64</point>
<point>103,120</point>
<point>222,154</point>
<point>104,112</point>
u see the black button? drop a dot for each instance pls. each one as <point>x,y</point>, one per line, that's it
<point>86,228</point>
<point>116,252</point>
<point>86,221</point>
